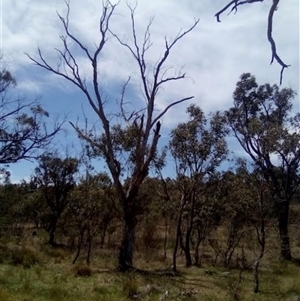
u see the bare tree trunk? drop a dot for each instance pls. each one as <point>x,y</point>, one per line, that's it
<point>176,244</point>
<point>103,234</point>
<point>197,253</point>
<point>128,242</point>
<point>146,142</point>
<point>89,241</point>
<point>178,233</point>
<point>79,245</point>
<point>52,231</point>
<point>261,236</point>
<point>187,248</point>
<point>77,253</point>
<point>283,220</point>
<point>232,242</point>
<point>166,237</point>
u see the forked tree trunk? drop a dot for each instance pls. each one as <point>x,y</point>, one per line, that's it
<point>178,233</point>
<point>79,245</point>
<point>187,247</point>
<point>283,220</point>
<point>128,242</point>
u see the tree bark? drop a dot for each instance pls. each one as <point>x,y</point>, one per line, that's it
<point>197,253</point>
<point>178,232</point>
<point>283,220</point>
<point>166,238</point>
<point>103,235</point>
<point>79,245</point>
<point>128,242</point>
<point>176,244</point>
<point>89,242</point>
<point>187,249</point>
<point>52,231</point>
<point>261,236</point>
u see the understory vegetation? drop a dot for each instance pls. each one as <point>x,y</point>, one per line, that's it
<point>206,210</point>
<point>32,270</point>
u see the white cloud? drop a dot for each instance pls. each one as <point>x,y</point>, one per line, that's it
<point>213,55</point>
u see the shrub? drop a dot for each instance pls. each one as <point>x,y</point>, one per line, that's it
<point>23,256</point>
<point>82,270</point>
<point>4,253</point>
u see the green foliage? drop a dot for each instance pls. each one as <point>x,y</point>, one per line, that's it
<point>262,121</point>
<point>14,209</point>
<point>198,145</point>
<point>55,179</point>
<point>93,208</point>
<point>23,129</point>
<point>6,80</point>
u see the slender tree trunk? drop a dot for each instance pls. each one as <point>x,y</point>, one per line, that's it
<point>79,245</point>
<point>176,243</point>
<point>197,252</point>
<point>52,231</point>
<point>128,241</point>
<point>77,253</point>
<point>256,268</point>
<point>166,237</point>
<point>261,236</point>
<point>103,234</point>
<point>89,241</point>
<point>178,233</point>
<point>283,221</point>
<point>187,248</point>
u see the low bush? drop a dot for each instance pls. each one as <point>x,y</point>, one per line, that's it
<point>82,270</point>
<point>23,256</point>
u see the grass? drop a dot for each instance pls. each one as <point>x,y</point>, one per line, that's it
<point>57,282</point>
<point>36,272</point>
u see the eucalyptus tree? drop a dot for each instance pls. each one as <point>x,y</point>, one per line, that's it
<point>13,215</point>
<point>198,147</point>
<point>24,130</point>
<point>263,123</point>
<point>128,142</point>
<point>55,179</point>
<point>92,208</point>
<point>260,211</point>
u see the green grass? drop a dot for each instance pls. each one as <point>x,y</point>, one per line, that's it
<point>41,273</point>
<point>58,282</point>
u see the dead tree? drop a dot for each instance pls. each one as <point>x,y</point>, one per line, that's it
<point>130,145</point>
<point>233,6</point>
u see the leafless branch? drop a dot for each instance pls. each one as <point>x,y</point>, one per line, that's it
<point>170,106</point>
<point>151,86</point>
<point>234,4</point>
<point>271,40</point>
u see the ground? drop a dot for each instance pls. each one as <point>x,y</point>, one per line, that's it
<point>33,271</point>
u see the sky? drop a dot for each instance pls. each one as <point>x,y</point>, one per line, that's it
<point>213,55</point>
